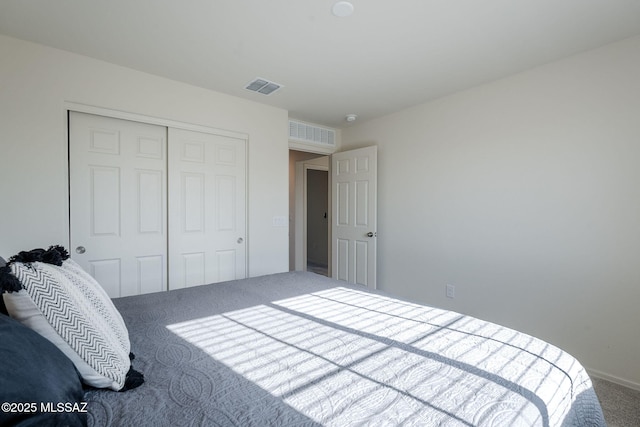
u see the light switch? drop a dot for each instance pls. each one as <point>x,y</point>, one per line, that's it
<point>280,221</point>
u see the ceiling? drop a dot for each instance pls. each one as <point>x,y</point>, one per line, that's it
<point>387,56</point>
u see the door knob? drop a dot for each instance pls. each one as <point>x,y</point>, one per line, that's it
<point>80,250</point>
<point>371,234</point>
<point>240,240</point>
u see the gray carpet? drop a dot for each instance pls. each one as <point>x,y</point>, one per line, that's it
<point>621,405</point>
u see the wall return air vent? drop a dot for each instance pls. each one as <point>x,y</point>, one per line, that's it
<point>316,135</point>
<point>263,86</point>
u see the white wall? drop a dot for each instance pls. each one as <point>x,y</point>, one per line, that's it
<point>525,195</point>
<point>35,83</point>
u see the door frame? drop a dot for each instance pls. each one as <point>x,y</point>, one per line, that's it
<point>302,166</point>
<point>68,106</point>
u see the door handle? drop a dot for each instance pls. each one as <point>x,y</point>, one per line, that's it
<point>371,234</point>
<point>80,250</point>
<point>240,240</point>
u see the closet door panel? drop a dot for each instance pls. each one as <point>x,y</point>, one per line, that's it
<point>207,208</point>
<point>118,198</point>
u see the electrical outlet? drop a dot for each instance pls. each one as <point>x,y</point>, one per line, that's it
<point>451,291</point>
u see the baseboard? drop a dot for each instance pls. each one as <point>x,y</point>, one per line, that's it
<point>611,378</point>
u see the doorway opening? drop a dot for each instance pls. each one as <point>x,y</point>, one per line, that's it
<point>309,212</point>
<point>317,221</point>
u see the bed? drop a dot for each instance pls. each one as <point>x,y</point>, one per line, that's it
<point>300,349</point>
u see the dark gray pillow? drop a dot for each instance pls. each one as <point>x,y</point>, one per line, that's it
<point>34,371</point>
<point>3,309</point>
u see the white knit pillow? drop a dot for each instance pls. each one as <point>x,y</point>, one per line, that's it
<point>69,308</point>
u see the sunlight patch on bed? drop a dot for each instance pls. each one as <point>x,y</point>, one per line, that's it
<point>340,354</point>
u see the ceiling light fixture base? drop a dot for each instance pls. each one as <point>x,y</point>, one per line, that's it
<point>342,9</point>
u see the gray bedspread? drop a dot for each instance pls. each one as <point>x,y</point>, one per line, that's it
<point>298,349</point>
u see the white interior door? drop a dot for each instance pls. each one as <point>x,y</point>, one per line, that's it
<point>207,208</point>
<point>354,198</point>
<point>118,202</point>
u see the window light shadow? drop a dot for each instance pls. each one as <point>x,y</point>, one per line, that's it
<point>343,355</point>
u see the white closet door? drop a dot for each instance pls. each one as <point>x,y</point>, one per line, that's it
<point>118,202</point>
<point>207,208</point>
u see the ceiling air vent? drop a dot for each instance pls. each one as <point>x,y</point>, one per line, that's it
<point>263,86</point>
<point>313,134</point>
